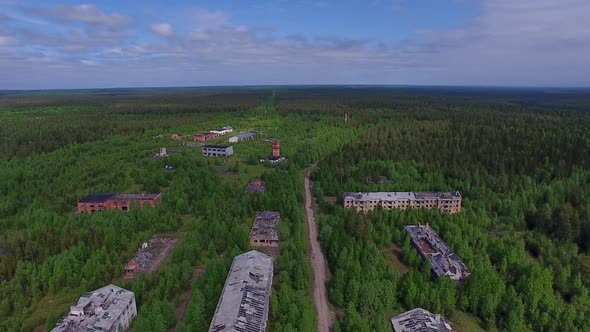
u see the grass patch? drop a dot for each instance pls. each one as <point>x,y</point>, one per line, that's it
<point>464,322</point>
<point>393,257</point>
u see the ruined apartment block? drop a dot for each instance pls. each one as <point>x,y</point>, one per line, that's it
<point>449,202</point>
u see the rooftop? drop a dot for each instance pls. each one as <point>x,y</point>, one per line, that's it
<point>246,134</point>
<point>256,186</point>
<point>442,259</point>
<point>216,146</point>
<point>96,198</point>
<point>400,195</point>
<point>136,197</point>
<point>101,198</point>
<point>96,311</point>
<point>266,225</point>
<point>420,320</point>
<point>244,302</point>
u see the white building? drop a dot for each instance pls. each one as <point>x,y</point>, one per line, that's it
<point>244,301</point>
<point>218,151</point>
<point>245,136</point>
<point>223,130</point>
<point>420,320</point>
<point>110,308</point>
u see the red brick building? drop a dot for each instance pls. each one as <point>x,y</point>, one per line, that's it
<point>99,202</point>
<point>202,137</point>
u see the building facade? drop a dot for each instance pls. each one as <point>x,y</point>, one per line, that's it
<point>121,201</point>
<point>265,229</point>
<point>109,309</point>
<point>448,202</point>
<point>218,151</point>
<point>244,301</point>
<point>432,248</point>
<point>420,320</point>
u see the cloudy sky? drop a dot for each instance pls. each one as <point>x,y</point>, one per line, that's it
<point>115,43</point>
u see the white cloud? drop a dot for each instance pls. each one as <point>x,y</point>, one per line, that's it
<point>207,19</point>
<point>85,13</point>
<point>163,29</point>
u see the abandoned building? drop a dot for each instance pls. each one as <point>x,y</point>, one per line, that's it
<point>222,131</point>
<point>218,151</point>
<point>202,137</point>
<point>245,136</point>
<point>265,229</point>
<point>120,201</point>
<point>276,157</point>
<point>420,320</point>
<point>244,301</point>
<point>256,186</point>
<point>176,137</point>
<point>449,202</point>
<point>442,259</point>
<point>162,153</point>
<point>110,308</point>
<point>131,268</point>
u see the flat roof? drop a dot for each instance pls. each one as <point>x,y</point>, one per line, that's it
<point>216,146</point>
<point>420,320</point>
<point>266,225</point>
<point>101,310</point>
<point>96,198</point>
<point>136,197</point>
<point>244,301</point>
<point>400,195</point>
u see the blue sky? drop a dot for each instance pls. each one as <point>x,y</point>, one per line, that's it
<point>113,43</point>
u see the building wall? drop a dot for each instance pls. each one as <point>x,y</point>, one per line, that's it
<point>260,242</point>
<point>116,204</point>
<point>218,152</point>
<point>452,205</point>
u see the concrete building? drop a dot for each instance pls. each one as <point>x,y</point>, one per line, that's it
<point>442,259</point>
<point>449,202</point>
<point>108,309</point>
<point>223,130</point>
<point>244,302</point>
<point>256,186</point>
<point>420,320</point>
<point>162,153</point>
<point>245,136</point>
<point>265,229</point>
<point>202,137</point>
<point>98,202</point>
<point>218,151</point>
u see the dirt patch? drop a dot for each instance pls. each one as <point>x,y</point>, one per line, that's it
<point>186,297</point>
<point>149,257</point>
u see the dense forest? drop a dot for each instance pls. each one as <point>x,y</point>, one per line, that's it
<point>521,159</point>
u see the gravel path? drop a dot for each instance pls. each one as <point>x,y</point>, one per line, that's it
<point>318,262</point>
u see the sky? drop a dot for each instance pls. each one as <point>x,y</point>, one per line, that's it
<point>148,43</point>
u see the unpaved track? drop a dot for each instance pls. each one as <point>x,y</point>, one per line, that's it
<point>318,263</point>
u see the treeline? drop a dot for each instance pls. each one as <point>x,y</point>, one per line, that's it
<point>37,122</point>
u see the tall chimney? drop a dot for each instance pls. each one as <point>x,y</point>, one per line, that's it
<point>276,149</point>
<point>345,117</point>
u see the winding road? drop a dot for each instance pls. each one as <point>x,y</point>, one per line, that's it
<point>318,263</point>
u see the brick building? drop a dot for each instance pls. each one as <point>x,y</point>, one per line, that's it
<point>202,137</point>
<point>265,229</point>
<point>121,201</point>
<point>449,202</point>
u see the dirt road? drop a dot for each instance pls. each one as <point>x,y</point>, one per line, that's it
<point>318,263</point>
